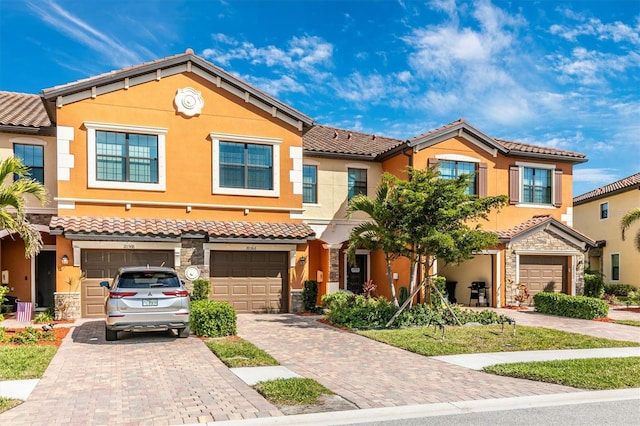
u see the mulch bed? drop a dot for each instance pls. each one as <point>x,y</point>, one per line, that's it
<point>60,333</point>
<point>603,319</point>
<point>636,310</point>
<point>516,308</point>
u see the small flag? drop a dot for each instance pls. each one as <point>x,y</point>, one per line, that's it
<point>25,311</point>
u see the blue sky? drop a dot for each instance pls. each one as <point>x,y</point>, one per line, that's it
<point>564,74</point>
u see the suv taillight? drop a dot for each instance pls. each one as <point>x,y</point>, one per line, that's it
<point>121,294</point>
<point>178,293</point>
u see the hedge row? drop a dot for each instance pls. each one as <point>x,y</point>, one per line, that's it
<point>570,306</point>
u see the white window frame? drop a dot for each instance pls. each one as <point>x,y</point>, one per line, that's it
<point>92,180</point>
<point>619,266</point>
<point>522,166</point>
<point>600,211</point>
<point>216,138</point>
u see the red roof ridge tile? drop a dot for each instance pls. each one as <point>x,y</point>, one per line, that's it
<point>622,185</point>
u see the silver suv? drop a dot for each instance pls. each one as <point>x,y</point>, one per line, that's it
<point>145,299</point>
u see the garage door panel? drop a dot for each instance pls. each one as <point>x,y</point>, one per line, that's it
<point>101,265</point>
<point>543,273</point>
<point>249,281</point>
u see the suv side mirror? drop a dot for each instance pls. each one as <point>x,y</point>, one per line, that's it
<point>104,284</point>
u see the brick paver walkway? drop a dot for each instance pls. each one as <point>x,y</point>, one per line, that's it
<point>150,378</point>
<point>371,374</point>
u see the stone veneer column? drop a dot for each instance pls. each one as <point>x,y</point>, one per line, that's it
<point>333,284</point>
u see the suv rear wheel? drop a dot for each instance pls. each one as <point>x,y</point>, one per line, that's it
<point>183,332</point>
<point>110,335</point>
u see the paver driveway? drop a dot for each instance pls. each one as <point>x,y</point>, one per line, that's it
<point>150,378</point>
<point>372,374</point>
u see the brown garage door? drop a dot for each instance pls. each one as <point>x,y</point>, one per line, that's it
<point>250,281</point>
<point>102,265</point>
<point>544,273</point>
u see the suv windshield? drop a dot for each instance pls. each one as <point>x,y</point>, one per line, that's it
<point>150,279</point>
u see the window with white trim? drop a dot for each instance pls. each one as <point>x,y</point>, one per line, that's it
<point>604,210</point>
<point>357,182</point>
<point>126,157</point>
<point>245,165</point>
<point>453,169</point>
<point>309,184</point>
<point>615,267</point>
<point>31,156</point>
<point>535,185</point>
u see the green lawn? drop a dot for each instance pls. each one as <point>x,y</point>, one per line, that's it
<point>8,403</point>
<point>24,362</point>
<point>633,323</point>
<point>236,352</point>
<point>293,391</point>
<point>487,338</point>
<point>593,373</point>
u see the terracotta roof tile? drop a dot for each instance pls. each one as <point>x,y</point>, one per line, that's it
<point>522,227</point>
<point>626,184</point>
<point>537,221</point>
<point>22,109</point>
<point>439,129</point>
<point>326,139</point>
<point>115,226</point>
<point>519,147</point>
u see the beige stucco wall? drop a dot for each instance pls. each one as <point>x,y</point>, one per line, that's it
<point>7,140</point>
<point>587,220</point>
<point>329,216</point>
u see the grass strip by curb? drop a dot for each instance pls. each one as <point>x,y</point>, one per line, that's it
<point>591,373</point>
<point>292,391</point>
<point>8,403</point>
<point>633,323</point>
<point>487,338</point>
<point>236,352</point>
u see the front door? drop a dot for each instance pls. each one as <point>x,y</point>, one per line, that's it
<point>45,278</point>
<point>357,274</point>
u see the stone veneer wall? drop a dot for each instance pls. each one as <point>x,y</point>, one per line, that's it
<point>67,305</point>
<point>544,242</point>
<point>296,301</point>
<point>192,254</point>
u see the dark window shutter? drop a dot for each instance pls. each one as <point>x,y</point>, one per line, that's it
<point>514,184</point>
<point>557,188</point>
<point>432,162</point>
<point>481,180</point>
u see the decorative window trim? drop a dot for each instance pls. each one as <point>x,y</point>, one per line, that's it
<point>216,138</point>
<point>356,166</point>
<point>457,157</point>
<point>28,141</point>
<point>316,185</point>
<point>611,266</point>
<point>554,196</point>
<point>93,182</point>
<point>600,210</point>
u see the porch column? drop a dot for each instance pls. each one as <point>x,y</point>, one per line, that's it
<point>333,283</point>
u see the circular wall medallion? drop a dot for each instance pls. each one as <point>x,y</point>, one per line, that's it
<point>192,273</point>
<point>188,101</point>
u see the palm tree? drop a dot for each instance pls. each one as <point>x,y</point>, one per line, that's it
<point>380,232</point>
<point>12,195</point>
<point>628,219</point>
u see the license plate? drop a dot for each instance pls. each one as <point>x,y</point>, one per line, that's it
<point>149,302</point>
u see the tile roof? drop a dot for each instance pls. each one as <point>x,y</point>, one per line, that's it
<point>22,109</point>
<point>326,139</point>
<point>518,147</point>
<point>537,221</point>
<point>130,227</point>
<point>626,184</point>
<point>193,60</point>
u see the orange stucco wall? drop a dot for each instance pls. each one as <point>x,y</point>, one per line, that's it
<point>188,151</point>
<point>497,180</point>
<point>19,268</point>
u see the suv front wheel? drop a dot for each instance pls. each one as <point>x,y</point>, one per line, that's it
<point>110,335</point>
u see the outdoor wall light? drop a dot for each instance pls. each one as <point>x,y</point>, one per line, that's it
<point>302,260</point>
<point>64,259</point>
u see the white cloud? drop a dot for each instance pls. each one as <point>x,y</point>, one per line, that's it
<point>596,176</point>
<point>591,67</point>
<point>119,54</point>
<point>284,84</point>
<point>617,31</point>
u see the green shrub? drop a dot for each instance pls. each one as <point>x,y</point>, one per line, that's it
<point>43,318</point>
<point>593,284</point>
<point>570,306</point>
<point>201,289</point>
<point>356,311</point>
<point>309,295</point>
<point>213,319</point>
<point>619,289</point>
<point>3,291</point>
<point>422,314</point>
<point>404,294</point>
<point>633,298</point>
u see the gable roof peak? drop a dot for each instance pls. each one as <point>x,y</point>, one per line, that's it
<point>625,184</point>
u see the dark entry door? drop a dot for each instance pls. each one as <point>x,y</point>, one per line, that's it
<point>45,278</point>
<point>357,274</point>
